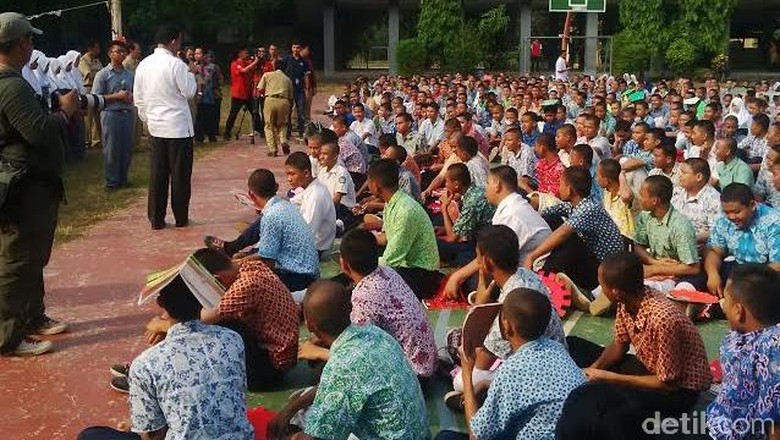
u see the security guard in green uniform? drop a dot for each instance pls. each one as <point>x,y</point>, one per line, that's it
<point>31,156</point>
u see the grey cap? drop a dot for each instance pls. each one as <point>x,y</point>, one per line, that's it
<point>14,25</point>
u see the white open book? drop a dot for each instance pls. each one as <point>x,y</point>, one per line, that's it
<point>207,290</point>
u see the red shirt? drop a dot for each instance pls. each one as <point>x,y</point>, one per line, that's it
<point>260,300</point>
<point>240,82</point>
<point>548,175</point>
<point>536,49</point>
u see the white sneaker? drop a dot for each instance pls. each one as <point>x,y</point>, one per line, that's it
<point>32,347</point>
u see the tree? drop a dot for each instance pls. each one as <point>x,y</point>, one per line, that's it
<point>440,23</point>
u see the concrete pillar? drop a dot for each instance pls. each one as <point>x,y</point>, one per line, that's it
<point>591,43</point>
<point>329,39</point>
<point>392,35</point>
<point>525,38</point>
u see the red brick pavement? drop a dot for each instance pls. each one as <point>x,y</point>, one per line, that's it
<point>92,284</point>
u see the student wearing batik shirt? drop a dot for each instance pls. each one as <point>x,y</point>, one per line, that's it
<point>549,167</point>
<point>747,230</point>
<point>192,363</point>
<point>637,165</point>
<point>755,144</point>
<point>367,388</point>
<point>765,191</point>
<point>527,394</point>
<point>665,162</point>
<point>588,234</point>
<point>380,297</point>
<point>730,168</point>
<point>496,261</point>
<point>468,152</point>
<point>456,238</point>
<point>351,150</point>
<point>670,368</point>
<point>696,199</point>
<point>749,358</point>
<point>259,307</point>
<point>665,238</point>
<point>519,156</point>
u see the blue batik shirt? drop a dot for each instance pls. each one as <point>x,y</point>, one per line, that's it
<point>758,243</point>
<point>530,138</point>
<point>286,238</point>
<point>192,382</point>
<point>526,397</point>
<point>750,391</point>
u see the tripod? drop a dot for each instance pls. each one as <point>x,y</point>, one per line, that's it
<point>244,111</point>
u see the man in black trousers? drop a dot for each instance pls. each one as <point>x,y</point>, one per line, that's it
<point>163,85</point>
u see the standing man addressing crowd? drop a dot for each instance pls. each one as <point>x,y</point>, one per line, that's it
<point>163,84</point>
<point>31,156</point>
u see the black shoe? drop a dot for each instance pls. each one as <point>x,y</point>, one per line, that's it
<point>120,384</point>
<point>183,224</point>
<point>285,149</point>
<point>120,370</point>
<point>158,226</point>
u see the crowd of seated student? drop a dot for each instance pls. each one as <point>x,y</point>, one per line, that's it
<point>557,202</point>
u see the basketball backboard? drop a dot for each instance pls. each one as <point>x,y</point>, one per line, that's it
<point>578,5</point>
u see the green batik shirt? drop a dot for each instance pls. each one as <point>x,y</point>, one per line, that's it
<point>475,212</point>
<point>368,389</point>
<point>411,241</point>
<point>671,237</point>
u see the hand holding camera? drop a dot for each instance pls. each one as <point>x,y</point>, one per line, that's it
<point>69,103</point>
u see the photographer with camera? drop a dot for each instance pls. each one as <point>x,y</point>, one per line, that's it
<point>117,119</point>
<point>31,157</point>
<point>242,70</point>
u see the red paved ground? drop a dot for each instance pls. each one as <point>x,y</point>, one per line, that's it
<point>92,284</point>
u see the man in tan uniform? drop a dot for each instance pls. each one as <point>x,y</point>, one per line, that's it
<point>276,110</point>
<point>89,66</point>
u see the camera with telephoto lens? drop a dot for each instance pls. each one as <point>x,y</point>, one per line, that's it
<point>87,102</point>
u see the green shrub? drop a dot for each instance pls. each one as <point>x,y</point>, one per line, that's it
<point>411,56</point>
<point>681,55</point>
<point>630,54</point>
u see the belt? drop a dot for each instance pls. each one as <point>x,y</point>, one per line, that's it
<point>277,96</point>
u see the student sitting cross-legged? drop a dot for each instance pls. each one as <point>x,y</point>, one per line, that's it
<point>526,396</point>
<point>456,238</point>
<point>498,260</point>
<point>202,365</point>
<point>749,354</point>
<point>665,238</point>
<point>670,368</point>
<point>408,236</point>
<point>380,297</point>
<point>368,387</point>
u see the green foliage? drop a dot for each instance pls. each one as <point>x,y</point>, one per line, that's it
<point>411,56</point>
<point>491,30</point>
<point>681,54</point>
<point>439,24</point>
<point>630,54</point>
<point>684,32</point>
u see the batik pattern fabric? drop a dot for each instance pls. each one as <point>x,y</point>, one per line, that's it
<point>759,242</point>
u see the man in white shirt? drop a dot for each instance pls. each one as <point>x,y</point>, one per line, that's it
<point>512,210</point>
<point>432,127</point>
<point>316,203</point>
<point>600,144</point>
<point>561,70</point>
<point>339,182</point>
<point>163,84</point>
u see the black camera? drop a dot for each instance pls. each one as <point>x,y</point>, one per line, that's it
<point>87,102</point>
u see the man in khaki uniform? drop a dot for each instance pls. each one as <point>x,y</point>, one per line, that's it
<point>89,66</point>
<point>276,110</point>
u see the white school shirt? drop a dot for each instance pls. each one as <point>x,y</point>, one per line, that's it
<point>315,166</point>
<point>361,128</point>
<point>432,132</point>
<point>338,180</point>
<point>163,85</point>
<point>320,214</point>
<point>560,65</point>
<point>516,213</point>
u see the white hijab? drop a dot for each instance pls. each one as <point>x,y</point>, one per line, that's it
<point>74,57</point>
<point>42,72</point>
<point>55,69</point>
<point>29,76</point>
<point>737,109</point>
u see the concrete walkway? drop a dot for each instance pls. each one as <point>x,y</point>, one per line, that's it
<point>92,283</point>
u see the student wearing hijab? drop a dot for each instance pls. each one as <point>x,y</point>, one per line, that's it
<point>75,149</point>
